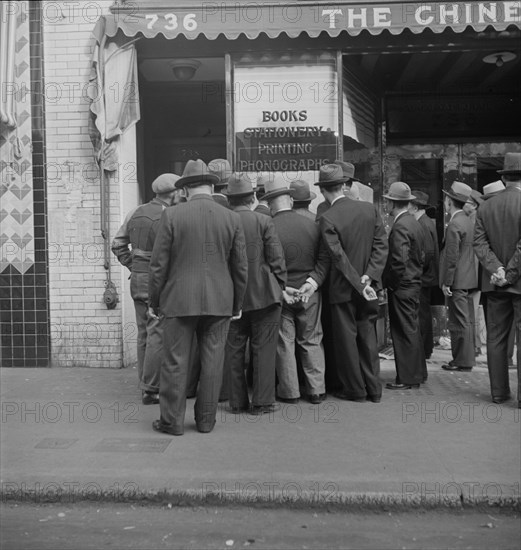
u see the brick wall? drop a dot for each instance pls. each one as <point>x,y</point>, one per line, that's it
<point>83,331</point>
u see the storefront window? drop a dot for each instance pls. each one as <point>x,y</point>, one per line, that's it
<point>285,111</point>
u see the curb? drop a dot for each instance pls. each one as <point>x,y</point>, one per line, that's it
<point>339,501</point>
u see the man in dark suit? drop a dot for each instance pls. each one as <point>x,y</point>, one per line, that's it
<point>497,242</point>
<point>307,263</point>
<point>198,275</point>
<point>459,277</point>
<point>139,233</point>
<point>261,308</point>
<point>302,197</point>
<point>348,173</point>
<point>402,277</point>
<point>429,279</point>
<point>354,235</point>
<point>222,169</point>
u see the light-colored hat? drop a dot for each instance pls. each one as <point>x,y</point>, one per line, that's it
<point>399,191</point>
<point>165,183</point>
<point>421,198</point>
<point>276,186</point>
<point>493,188</point>
<point>330,175</point>
<point>301,192</point>
<point>459,191</point>
<point>239,185</point>
<point>196,173</point>
<point>222,169</point>
<point>511,164</point>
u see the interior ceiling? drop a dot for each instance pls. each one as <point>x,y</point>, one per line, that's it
<point>430,63</point>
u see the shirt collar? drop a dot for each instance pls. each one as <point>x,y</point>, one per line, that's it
<point>399,214</point>
<point>337,198</point>
<point>457,212</point>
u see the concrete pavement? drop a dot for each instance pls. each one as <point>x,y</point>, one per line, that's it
<point>70,434</point>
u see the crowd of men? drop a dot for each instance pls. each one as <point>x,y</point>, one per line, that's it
<point>242,294</point>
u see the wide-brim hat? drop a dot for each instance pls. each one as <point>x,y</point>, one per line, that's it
<point>459,191</point>
<point>399,191</point>
<point>330,175</point>
<point>493,188</point>
<point>301,191</point>
<point>348,169</point>
<point>239,185</point>
<point>222,169</point>
<point>196,173</point>
<point>165,183</point>
<point>511,164</point>
<point>421,198</point>
<point>275,186</point>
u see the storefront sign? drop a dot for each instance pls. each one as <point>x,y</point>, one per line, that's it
<point>212,18</point>
<point>441,118</point>
<point>285,117</point>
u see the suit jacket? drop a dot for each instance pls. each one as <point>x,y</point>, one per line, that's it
<point>432,251</point>
<point>266,265</point>
<point>406,253</point>
<point>458,268</point>
<point>263,209</point>
<point>198,266</point>
<point>497,236</point>
<point>305,254</point>
<point>304,211</point>
<point>355,237</point>
<point>321,208</point>
<point>219,198</point>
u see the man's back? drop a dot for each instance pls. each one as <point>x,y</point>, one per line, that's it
<point>432,253</point>
<point>198,261</point>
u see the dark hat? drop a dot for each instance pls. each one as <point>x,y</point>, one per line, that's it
<point>301,192</point>
<point>275,186</point>
<point>222,169</point>
<point>348,169</point>
<point>475,197</point>
<point>459,191</point>
<point>421,198</point>
<point>511,164</point>
<point>329,175</point>
<point>165,183</point>
<point>493,188</point>
<point>239,185</point>
<point>399,191</point>
<point>196,173</point>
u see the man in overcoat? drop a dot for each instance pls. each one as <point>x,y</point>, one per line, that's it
<point>198,275</point>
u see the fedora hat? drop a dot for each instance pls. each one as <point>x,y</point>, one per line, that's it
<point>421,198</point>
<point>222,169</point>
<point>329,175</point>
<point>239,185</point>
<point>475,197</point>
<point>348,169</point>
<point>399,191</point>
<point>511,164</point>
<point>275,186</point>
<point>196,173</point>
<point>165,183</point>
<point>493,188</point>
<point>459,191</point>
<point>301,192</point>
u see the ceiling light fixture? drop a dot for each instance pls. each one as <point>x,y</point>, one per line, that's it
<point>500,58</point>
<point>184,69</point>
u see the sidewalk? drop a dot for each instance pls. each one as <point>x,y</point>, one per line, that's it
<point>74,433</point>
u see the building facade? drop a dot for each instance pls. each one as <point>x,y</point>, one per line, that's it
<point>99,98</point>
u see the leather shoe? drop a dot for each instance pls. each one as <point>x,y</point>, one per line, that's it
<point>374,398</point>
<point>291,400</point>
<point>149,398</point>
<point>159,427</point>
<point>317,398</point>
<point>499,400</point>
<point>345,397</point>
<point>392,386</point>
<point>264,409</point>
<point>205,429</point>
<point>450,367</point>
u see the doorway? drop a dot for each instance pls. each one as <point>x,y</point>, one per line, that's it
<point>183,116</point>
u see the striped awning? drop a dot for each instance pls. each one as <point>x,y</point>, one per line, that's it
<point>232,18</point>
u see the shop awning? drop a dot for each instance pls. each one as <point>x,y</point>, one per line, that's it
<point>232,18</point>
